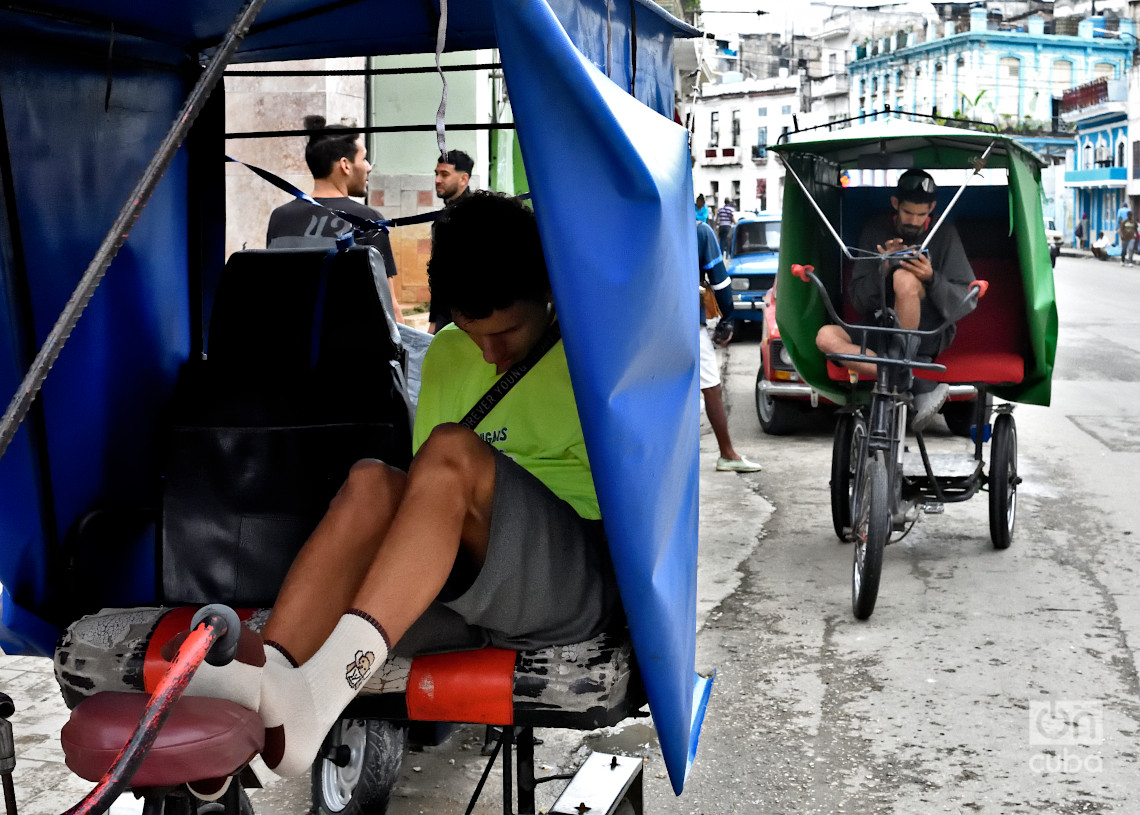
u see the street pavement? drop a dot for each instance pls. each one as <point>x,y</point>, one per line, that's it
<point>986,682</point>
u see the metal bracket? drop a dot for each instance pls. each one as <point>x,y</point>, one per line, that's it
<point>600,785</point>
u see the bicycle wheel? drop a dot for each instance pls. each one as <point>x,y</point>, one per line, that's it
<point>850,430</point>
<point>1003,481</point>
<point>872,529</point>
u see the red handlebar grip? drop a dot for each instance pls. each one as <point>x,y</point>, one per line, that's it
<point>802,271</point>
<point>982,286</point>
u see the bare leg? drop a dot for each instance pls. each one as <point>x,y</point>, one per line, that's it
<point>909,293</point>
<point>446,505</point>
<point>328,571</point>
<point>718,418</point>
<point>388,542</point>
<point>831,339</point>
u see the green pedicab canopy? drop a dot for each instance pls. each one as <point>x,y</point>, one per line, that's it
<point>819,158</point>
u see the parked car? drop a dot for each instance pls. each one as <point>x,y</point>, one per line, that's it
<point>753,254</point>
<point>781,394</point>
<point>1055,238</point>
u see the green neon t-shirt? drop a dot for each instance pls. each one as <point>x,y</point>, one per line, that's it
<point>536,423</point>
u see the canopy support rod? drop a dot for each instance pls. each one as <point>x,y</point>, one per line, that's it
<point>979,165</point>
<point>811,200</point>
<point>117,235</point>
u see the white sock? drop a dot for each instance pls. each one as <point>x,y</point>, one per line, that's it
<point>239,681</point>
<point>299,705</point>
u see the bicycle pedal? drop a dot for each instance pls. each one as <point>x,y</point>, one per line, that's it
<point>933,509</point>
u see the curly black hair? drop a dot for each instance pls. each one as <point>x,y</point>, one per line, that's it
<point>486,255</point>
<point>326,149</point>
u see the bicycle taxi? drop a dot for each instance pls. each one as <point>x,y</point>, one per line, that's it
<point>130,466</point>
<point>882,479</point>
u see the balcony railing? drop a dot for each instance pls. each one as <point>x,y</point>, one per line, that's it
<point>1085,96</point>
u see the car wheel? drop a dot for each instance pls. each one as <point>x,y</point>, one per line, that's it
<point>959,417</point>
<point>777,417</point>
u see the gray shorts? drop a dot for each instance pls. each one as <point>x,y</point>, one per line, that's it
<point>547,579</point>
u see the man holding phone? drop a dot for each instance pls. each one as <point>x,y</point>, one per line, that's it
<point>924,288</point>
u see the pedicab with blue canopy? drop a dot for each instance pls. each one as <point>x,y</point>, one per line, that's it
<point>882,480</point>
<point>115,285</point>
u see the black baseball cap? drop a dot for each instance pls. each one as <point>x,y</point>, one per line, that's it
<point>916,186</point>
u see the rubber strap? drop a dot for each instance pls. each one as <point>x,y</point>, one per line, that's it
<point>511,378</point>
<point>441,112</point>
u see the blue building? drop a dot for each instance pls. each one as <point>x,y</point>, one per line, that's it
<point>977,69</point>
<point>1098,172</point>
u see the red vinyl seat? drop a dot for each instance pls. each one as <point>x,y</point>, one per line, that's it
<point>203,738</point>
<point>992,341</point>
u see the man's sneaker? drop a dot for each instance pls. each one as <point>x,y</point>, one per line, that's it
<point>740,465</point>
<point>927,405</point>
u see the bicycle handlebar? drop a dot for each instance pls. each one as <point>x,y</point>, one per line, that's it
<point>976,291</point>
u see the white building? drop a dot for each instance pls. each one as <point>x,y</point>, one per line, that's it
<point>732,124</point>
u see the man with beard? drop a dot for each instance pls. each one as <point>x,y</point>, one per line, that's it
<point>924,289</point>
<point>452,176</point>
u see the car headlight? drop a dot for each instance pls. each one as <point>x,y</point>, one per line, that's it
<point>785,357</point>
<point>740,284</point>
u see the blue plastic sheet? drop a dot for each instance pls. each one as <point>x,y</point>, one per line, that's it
<point>613,193</point>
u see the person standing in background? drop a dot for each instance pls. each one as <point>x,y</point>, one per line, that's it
<point>339,164</point>
<point>725,218</point>
<point>452,180</point>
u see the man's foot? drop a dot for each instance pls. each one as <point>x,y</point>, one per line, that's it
<point>238,681</point>
<point>299,705</point>
<point>927,405</point>
<point>737,465</point>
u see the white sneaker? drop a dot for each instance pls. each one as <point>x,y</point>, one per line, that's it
<point>740,465</point>
<point>927,405</point>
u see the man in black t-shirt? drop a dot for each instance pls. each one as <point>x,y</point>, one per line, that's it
<point>340,169</point>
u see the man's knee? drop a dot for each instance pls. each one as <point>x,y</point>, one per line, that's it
<point>453,447</point>
<point>907,286</point>
<point>831,339</point>
<point>369,483</point>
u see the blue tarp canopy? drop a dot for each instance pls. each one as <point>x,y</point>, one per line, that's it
<point>88,88</point>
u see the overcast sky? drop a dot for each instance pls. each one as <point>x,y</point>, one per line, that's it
<point>728,17</point>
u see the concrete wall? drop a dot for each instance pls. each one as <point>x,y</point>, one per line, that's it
<point>279,103</point>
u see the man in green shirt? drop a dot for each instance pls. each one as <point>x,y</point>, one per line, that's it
<point>489,532</point>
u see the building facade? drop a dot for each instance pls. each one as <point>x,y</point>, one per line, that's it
<point>1098,167</point>
<point>732,125</point>
<point>975,69</point>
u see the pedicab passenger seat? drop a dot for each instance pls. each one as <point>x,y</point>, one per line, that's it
<point>302,378</point>
<point>992,341</point>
